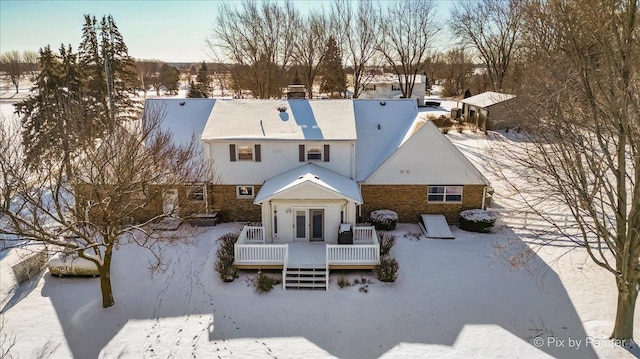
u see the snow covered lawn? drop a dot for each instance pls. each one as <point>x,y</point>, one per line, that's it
<point>460,298</point>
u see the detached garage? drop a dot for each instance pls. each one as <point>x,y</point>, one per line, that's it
<point>489,110</point>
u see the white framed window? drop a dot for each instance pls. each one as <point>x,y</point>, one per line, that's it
<point>396,87</point>
<point>195,193</point>
<point>445,194</point>
<point>245,153</point>
<point>244,191</point>
<point>370,88</point>
<point>314,152</point>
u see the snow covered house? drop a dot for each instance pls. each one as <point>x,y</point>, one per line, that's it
<point>490,109</point>
<point>302,169</point>
<point>387,86</point>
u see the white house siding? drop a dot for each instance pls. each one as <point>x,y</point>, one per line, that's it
<point>276,157</point>
<point>427,157</point>
<point>286,212</point>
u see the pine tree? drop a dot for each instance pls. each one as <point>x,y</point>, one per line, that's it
<point>194,91</point>
<point>109,72</point>
<point>203,80</point>
<point>334,79</point>
<point>169,77</point>
<point>53,112</point>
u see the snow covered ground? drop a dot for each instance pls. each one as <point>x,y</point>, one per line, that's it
<point>460,298</point>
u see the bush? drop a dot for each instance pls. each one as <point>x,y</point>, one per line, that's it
<point>264,283</point>
<point>225,254</point>
<point>384,219</point>
<point>477,220</point>
<point>387,271</point>
<point>343,282</point>
<point>387,240</point>
<point>444,123</point>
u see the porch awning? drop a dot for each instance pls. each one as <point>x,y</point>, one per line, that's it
<point>310,175</point>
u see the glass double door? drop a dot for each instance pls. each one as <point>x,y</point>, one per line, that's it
<point>308,224</point>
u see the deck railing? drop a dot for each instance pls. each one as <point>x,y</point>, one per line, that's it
<point>365,249</point>
<point>252,235</point>
<point>261,254</point>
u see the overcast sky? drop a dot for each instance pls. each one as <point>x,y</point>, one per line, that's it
<point>172,31</point>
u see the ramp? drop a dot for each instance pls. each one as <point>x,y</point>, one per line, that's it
<point>436,226</point>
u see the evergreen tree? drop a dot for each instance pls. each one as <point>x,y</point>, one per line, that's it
<point>194,91</point>
<point>53,111</point>
<point>169,77</point>
<point>334,79</point>
<point>109,72</point>
<point>203,80</point>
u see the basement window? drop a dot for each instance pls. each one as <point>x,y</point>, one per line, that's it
<point>244,191</point>
<point>445,194</point>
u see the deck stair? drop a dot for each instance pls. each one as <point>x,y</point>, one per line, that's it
<point>306,277</point>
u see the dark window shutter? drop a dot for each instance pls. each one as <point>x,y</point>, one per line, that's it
<point>301,153</point>
<point>326,153</point>
<point>258,155</point>
<point>232,152</point>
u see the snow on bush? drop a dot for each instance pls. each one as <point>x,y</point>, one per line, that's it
<point>224,265</point>
<point>477,220</point>
<point>387,271</point>
<point>384,219</point>
<point>386,240</point>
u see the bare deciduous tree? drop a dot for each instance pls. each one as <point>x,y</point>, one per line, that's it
<point>407,31</point>
<point>582,116</point>
<point>357,31</point>
<point>309,47</point>
<point>88,210</point>
<point>493,28</point>
<point>259,38</point>
<point>13,67</point>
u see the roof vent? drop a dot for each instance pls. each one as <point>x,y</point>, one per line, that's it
<point>316,177</point>
<point>182,103</point>
<point>382,103</point>
<point>300,177</point>
<point>282,109</point>
<point>379,126</point>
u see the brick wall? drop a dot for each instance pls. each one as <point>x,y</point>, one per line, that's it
<point>409,201</point>
<point>231,208</point>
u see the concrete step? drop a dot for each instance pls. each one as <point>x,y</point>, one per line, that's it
<point>306,285</point>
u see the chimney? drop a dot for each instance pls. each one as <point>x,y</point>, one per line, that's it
<point>296,91</point>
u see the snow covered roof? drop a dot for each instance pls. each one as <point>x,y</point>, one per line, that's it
<point>389,78</point>
<point>487,99</point>
<point>185,118</point>
<point>296,119</point>
<point>381,130</point>
<point>310,174</point>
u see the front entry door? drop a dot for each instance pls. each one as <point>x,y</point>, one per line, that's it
<point>317,224</point>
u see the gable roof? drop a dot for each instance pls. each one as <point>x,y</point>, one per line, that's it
<point>487,99</point>
<point>301,119</point>
<point>381,130</point>
<point>185,118</point>
<point>310,174</point>
<point>427,157</point>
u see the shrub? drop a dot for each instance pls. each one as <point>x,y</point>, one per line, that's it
<point>384,219</point>
<point>343,282</point>
<point>264,283</point>
<point>387,271</point>
<point>444,123</point>
<point>225,254</point>
<point>477,220</point>
<point>387,240</point>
